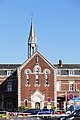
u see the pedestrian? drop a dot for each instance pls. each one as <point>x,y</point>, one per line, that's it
<point>71,108</point>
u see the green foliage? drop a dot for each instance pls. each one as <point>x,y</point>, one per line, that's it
<point>53,108</point>
<point>22,108</point>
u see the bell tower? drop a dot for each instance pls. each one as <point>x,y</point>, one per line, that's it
<point>32,44</point>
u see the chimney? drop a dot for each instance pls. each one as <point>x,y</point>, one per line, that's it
<point>60,63</point>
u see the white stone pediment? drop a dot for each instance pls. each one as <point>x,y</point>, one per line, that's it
<point>37,96</point>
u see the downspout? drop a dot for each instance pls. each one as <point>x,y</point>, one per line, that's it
<point>19,89</point>
<point>55,87</point>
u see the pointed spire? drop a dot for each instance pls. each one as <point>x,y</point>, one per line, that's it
<point>32,44</point>
<point>32,33</point>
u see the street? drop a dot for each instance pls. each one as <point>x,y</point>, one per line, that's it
<point>28,118</point>
<point>32,118</point>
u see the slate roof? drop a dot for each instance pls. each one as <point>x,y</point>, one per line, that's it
<point>68,66</point>
<point>9,66</point>
<point>64,66</point>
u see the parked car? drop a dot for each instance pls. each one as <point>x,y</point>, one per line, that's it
<point>45,111</point>
<point>3,114</point>
<point>32,111</point>
<point>75,115</point>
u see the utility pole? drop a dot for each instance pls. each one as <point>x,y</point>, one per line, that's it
<point>66,99</point>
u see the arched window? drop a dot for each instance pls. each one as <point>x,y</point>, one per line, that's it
<point>37,71</point>
<point>27,72</point>
<point>27,76</point>
<point>37,76</point>
<point>25,102</point>
<point>47,72</point>
<point>46,77</point>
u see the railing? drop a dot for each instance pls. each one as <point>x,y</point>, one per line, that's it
<point>27,116</point>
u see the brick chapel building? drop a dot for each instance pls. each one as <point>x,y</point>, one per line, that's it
<point>36,77</point>
<point>37,83</point>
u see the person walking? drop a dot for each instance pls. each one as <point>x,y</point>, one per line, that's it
<point>71,108</point>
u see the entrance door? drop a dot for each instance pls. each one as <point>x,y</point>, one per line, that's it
<point>37,100</point>
<point>37,105</point>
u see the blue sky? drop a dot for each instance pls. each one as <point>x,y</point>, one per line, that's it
<point>57,28</point>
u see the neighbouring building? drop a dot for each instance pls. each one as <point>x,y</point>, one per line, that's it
<point>37,83</point>
<point>8,87</point>
<point>68,83</point>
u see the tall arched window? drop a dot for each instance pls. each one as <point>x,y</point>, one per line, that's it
<point>46,72</point>
<point>46,77</point>
<point>27,76</point>
<point>37,71</point>
<point>37,76</point>
<point>27,71</point>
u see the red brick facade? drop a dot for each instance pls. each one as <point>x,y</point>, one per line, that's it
<point>46,90</point>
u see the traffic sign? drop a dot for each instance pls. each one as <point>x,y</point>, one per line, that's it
<point>70,96</point>
<point>49,99</point>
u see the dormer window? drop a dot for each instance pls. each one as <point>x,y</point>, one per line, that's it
<point>67,72</point>
<point>71,72</point>
<point>58,72</point>
<point>9,72</point>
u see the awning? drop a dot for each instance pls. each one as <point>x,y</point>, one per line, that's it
<point>76,99</point>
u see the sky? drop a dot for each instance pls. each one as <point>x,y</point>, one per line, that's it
<point>57,29</point>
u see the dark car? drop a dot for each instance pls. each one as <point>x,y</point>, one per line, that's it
<point>32,111</point>
<point>45,111</point>
<point>73,116</point>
